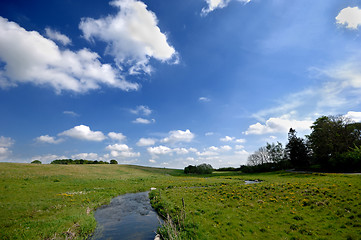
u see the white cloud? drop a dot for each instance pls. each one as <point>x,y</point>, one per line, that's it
<point>86,156</point>
<point>118,147</point>
<point>152,161</point>
<point>117,136</point>
<point>181,151</point>
<point>143,121</point>
<point>349,17</point>
<point>57,36</point>
<point>5,144</point>
<point>179,136</point>
<point>6,141</point>
<point>209,134</point>
<point>84,133</point>
<point>142,110</point>
<point>226,148</point>
<point>238,147</point>
<point>355,116</point>
<point>146,142</point>
<point>159,150</point>
<point>279,125</point>
<point>122,150</point>
<point>227,139</point>
<point>204,99</point>
<point>343,86</point>
<point>132,35</point>
<point>71,113</point>
<point>31,58</point>
<point>232,139</point>
<point>214,4</point>
<point>48,139</point>
<point>207,153</point>
<point>240,140</point>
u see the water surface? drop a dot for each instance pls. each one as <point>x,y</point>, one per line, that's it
<point>128,216</point>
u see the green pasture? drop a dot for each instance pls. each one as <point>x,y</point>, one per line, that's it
<point>58,202</point>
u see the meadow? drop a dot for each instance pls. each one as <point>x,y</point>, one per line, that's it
<point>58,202</point>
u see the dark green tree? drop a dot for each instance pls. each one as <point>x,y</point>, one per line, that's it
<point>113,161</point>
<point>332,136</point>
<point>297,151</point>
<point>36,162</point>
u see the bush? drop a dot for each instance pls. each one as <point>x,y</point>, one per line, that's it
<point>200,169</point>
<point>36,162</point>
<point>348,162</point>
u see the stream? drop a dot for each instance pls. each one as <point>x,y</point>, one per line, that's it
<point>128,216</point>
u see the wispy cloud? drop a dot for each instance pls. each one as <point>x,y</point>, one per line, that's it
<point>142,110</point>
<point>214,4</point>
<point>71,113</point>
<point>143,121</point>
<point>57,36</point>
<point>204,99</point>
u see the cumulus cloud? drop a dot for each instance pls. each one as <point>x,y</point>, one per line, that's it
<point>278,125</point>
<point>355,116</point>
<point>146,142</point>
<point>142,110</point>
<point>132,36</point>
<point>214,4</point>
<point>29,57</point>
<point>179,136</point>
<point>227,139</point>
<point>57,36</point>
<point>159,150</point>
<point>122,150</point>
<point>117,136</point>
<point>232,139</point>
<point>6,141</point>
<point>349,17</point>
<point>152,161</point>
<point>48,139</point>
<point>5,144</point>
<point>143,121</point>
<point>84,133</point>
<point>86,156</point>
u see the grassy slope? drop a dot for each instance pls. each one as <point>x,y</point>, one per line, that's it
<point>57,201</point>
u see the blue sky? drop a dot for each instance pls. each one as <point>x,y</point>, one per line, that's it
<point>172,83</point>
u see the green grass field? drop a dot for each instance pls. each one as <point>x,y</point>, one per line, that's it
<point>58,201</point>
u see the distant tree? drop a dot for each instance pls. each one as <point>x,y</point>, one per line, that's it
<point>113,161</point>
<point>261,156</point>
<point>297,151</point>
<point>276,152</point>
<point>36,162</point>
<point>200,169</point>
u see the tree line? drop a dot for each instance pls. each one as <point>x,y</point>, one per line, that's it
<point>81,161</point>
<point>333,145</point>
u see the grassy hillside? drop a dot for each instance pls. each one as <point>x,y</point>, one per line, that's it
<point>57,202</point>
